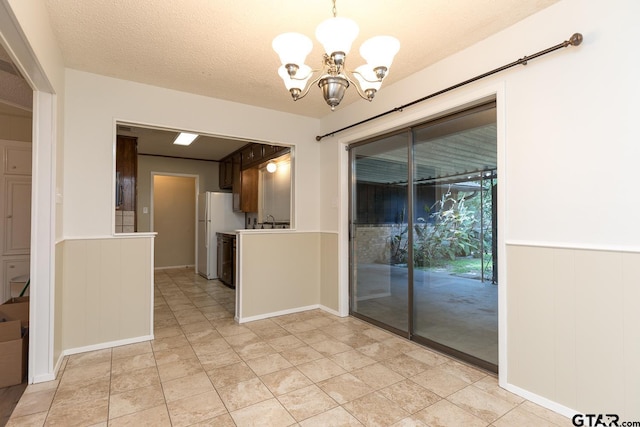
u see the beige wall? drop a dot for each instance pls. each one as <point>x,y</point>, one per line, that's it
<point>573,327</point>
<point>107,291</point>
<point>15,128</point>
<point>174,219</point>
<point>207,179</point>
<point>329,296</point>
<point>279,272</point>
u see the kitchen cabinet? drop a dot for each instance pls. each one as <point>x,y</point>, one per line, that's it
<point>252,155</point>
<point>226,258</point>
<point>249,190</point>
<point>236,186</point>
<point>225,177</point>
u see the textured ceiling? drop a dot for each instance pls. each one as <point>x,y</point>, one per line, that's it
<point>222,48</point>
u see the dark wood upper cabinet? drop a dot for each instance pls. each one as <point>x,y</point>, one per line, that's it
<point>225,177</point>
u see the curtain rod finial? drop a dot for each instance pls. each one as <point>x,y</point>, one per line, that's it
<point>576,39</point>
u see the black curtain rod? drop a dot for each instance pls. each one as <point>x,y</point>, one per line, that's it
<point>575,40</point>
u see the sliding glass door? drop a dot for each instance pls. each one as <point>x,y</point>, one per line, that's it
<point>379,273</point>
<point>424,234</point>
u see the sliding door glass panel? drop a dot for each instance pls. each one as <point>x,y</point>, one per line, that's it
<point>379,221</point>
<point>455,292</point>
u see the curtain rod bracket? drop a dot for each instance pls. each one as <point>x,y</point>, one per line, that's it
<point>575,40</point>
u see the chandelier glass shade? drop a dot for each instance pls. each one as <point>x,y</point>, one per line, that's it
<point>336,35</point>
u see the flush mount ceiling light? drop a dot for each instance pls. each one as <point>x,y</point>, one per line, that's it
<point>271,167</point>
<point>336,36</point>
<point>185,138</point>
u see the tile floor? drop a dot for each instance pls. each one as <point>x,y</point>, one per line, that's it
<point>304,369</point>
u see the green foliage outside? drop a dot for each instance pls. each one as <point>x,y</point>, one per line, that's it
<point>449,236</point>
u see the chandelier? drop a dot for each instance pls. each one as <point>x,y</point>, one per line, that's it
<point>336,36</point>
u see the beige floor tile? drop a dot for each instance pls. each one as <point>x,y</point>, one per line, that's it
<point>48,385</point>
<point>132,349</point>
<point>33,420</point>
<point>330,347</point>
<point>446,414</point>
<point>203,336</point>
<point>132,380</point>
<point>136,400</point>
<point>355,340</point>
<point>171,331</point>
<point>321,369</point>
<point>179,369</point>
<point>338,329</point>
<point>267,364</point>
<point>169,343</point>
<point>285,380</point>
<point>93,372</point>
<point>224,420</point>
<point>188,316</point>
<point>186,386</point>
<point>267,413</point>
<point>173,355</point>
<point>232,328</point>
<point>300,355</point>
<point>377,334</point>
<point>244,394</point>
<point>336,417</point>
<point>345,388</point>
<point>378,351</point>
<point>522,418</point>
<point>85,413</point>
<point>296,327</point>
<point>285,342</point>
<point>307,402</point>
<point>405,365</point>
<point>272,333</point>
<point>410,396</point>
<point>312,336</point>
<point>489,384</point>
<point>76,393</point>
<point>545,414</point>
<point>195,409</point>
<point>375,410</point>
<point>132,363</point>
<point>215,346</point>
<point>33,403</point>
<point>90,357</point>
<point>231,375</point>
<point>241,340</point>
<point>352,359</point>
<point>210,361</point>
<point>377,375</point>
<point>465,372</point>
<point>152,417</point>
<point>429,357</point>
<point>198,327</point>
<point>401,344</point>
<point>254,350</point>
<point>165,323</point>
<point>439,381</point>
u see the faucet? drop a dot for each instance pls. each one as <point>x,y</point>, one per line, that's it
<point>273,220</point>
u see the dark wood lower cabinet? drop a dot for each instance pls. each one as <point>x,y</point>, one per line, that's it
<point>227,259</point>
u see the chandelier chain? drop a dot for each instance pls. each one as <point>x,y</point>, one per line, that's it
<point>334,10</point>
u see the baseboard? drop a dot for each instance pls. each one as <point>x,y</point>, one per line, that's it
<point>331,311</point>
<point>278,313</point>
<point>175,267</point>
<point>539,400</point>
<point>109,344</point>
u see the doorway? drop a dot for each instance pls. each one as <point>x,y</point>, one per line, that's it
<point>423,241</point>
<point>174,219</point>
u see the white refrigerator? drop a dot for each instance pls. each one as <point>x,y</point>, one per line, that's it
<point>215,214</point>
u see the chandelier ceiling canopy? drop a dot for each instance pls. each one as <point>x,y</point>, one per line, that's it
<point>336,36</point>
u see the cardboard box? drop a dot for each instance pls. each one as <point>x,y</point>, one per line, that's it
<point>14,347</point>
<point>17,309</point>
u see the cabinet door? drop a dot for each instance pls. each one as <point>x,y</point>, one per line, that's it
<point>225,175</point>
<point>127,168</point>
<point>237,181</point>
<point>17,216</point>
<point>17,161</point>
<point>249,192</point>
<point>220,256</point>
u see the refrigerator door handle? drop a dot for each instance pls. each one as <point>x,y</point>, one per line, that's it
<point>206,234</point>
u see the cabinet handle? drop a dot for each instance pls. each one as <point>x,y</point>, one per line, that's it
<point>9,216</point>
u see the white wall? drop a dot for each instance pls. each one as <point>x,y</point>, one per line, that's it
<point>567,150</point>
<point>94,103</point>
